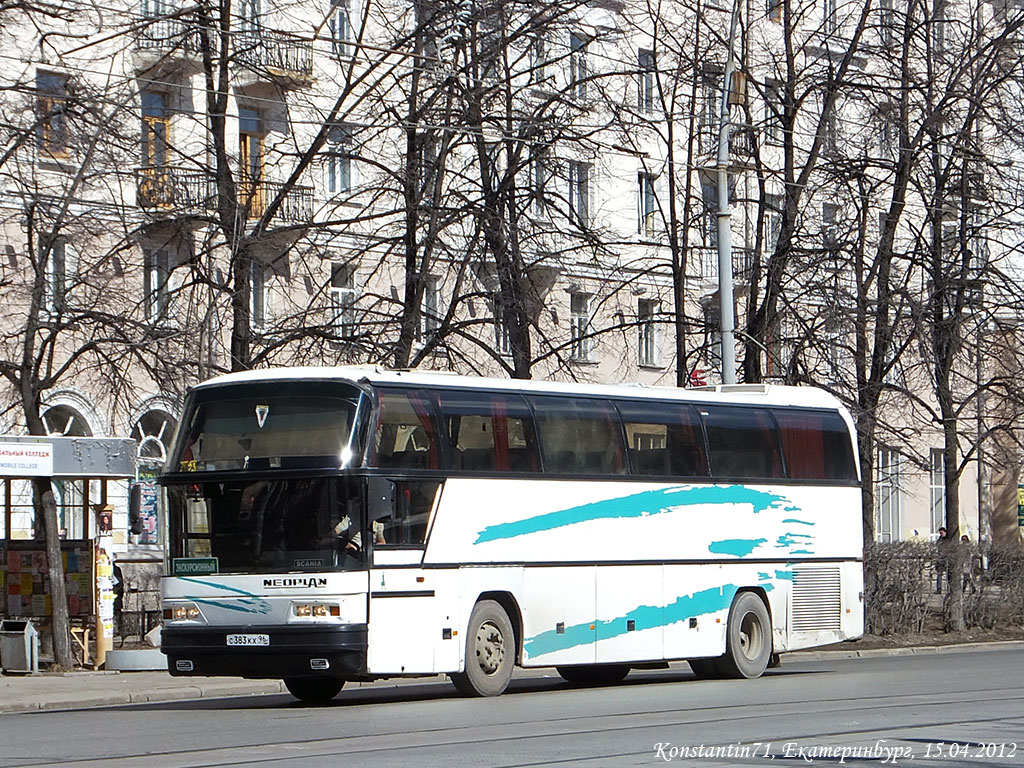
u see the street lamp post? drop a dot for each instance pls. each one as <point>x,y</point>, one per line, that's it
<point>727,318</point>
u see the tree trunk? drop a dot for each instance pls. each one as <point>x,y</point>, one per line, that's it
<point>61,622</point>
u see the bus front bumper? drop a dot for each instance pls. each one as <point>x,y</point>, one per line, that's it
<point>265,652</point>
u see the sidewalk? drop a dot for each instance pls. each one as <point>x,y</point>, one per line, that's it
<point>85,689</point>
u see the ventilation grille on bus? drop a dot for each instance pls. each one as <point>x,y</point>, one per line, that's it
<point>817,599</point>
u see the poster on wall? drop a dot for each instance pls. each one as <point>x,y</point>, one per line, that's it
<point>25,577</point>
<point>148,495</point>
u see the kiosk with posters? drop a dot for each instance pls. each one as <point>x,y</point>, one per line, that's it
<point>85,465</point>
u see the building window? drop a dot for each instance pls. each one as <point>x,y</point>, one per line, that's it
<point>887,496</point>
<point>829,228</point>
<point>937,489</point>
<point>647,205</point>
<point>886,22</point>
<point>539,182</point>
<point>645,66</point>
<point>258,294</point>
<point>502,336</point>
<point>709,216</point>
<point>338,162</point>
<point>772,222</point>
<point>52,106</point>
<point>249,15</point>
<point>579,315</point>
<point>54,256</point>
<point>157,272</point>
<point>578,67</point>
<point>250,141</point>
<point>711,106</point>
<point>343,300</point>
<point>774,9</point>
<point>646,310</point>
<point>340,24</point>
<point>579,193</point>
<point>538,59</point>
<point>156,124</point>
<point>829,17</point>
<point>430,319</point>
<point>773,109</point>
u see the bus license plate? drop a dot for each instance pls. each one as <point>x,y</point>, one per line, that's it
<point>248,639</point>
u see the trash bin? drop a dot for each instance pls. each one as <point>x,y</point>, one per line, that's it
<point>19,646</point>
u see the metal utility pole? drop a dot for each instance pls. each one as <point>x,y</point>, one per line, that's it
<point>727,318</point>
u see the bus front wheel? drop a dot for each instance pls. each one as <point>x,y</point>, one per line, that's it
<point>748,643</point>
<point>490,652</point>
<point>315,690</point>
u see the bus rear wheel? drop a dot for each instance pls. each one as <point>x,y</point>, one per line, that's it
<point>315,690</point>
<point>594,674</point>
<point>748,643</point>
<point>490,652</point>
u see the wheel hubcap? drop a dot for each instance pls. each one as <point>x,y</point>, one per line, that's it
<point>751,637</point>
<point>490,648</point>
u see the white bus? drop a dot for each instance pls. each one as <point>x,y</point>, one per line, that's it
<point>342,524</point>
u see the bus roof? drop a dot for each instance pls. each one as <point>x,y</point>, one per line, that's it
<point>763,394</point>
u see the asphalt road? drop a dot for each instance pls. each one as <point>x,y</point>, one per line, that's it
<point>957,709</point>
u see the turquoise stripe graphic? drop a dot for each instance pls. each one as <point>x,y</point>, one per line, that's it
<point>736,547</point>
<point>255,604</point>
<point>654,502</point>
<point>645,617</point>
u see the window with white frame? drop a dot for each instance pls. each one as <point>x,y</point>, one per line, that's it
<point>937,489</point>
<point>53,255</point>
<point>578,65</point>
<point>772,222</point>
<point>343,299</point>
<point>711,107</point>
<point>647,331</point>
<point>539,181</point>
<point>829,18</point>
<point>829,227</point>
<point>645,68</point>
<point>709,215</point>
<point>430,307</point>
<point>773,112</point>
<point>340,23</point>
<point>538,58</point>
<point>258,294</point>
<point>155,282</point>
<point>338,160</point>
<point>579,317</point>
<point>579,192</point>
<point>888,501</point>
<point>249,12</point>
<point>647,205</point>
<point>886,22</point>
<point>502,336</point>
<point>774,9</point>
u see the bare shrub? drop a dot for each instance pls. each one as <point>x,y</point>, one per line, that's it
<point>898,580</point>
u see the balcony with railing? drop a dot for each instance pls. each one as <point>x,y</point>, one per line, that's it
<point>275,57</point>
<point>168,40</point>
<point>704,264</point>
<point>177,191</point>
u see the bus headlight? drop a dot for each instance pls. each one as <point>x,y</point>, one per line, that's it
<point>182,612</point>
<point>316,610</point>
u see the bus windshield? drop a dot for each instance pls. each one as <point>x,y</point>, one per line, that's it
<point>291,425</point>
<point>271,526</point>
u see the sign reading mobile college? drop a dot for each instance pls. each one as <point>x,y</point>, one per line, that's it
<point>26,459</point>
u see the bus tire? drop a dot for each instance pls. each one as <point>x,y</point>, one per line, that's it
<point>490,652</point>
<point>315,690</point>
<point>748,640</point>
<point>706,669</point>
<point>594,674</point>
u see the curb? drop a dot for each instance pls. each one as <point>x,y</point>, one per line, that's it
<point>915,650</point>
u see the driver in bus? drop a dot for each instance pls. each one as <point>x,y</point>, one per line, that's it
<point>352,537</point>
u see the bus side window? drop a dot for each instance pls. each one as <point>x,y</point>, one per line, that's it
<point>743,443</point>
<point>816,445</point>
<point>489,431</point>
<point>664,438</point>
<point>579,436</point>
<point>406,437</point>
